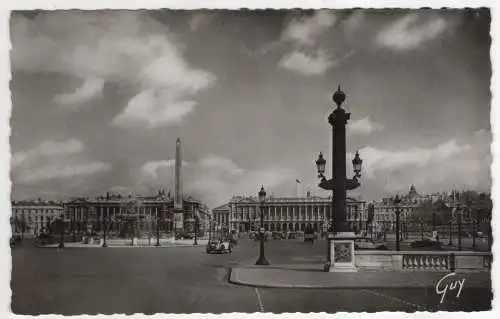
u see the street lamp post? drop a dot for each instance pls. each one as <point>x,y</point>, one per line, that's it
<point>433,219</point>
<point>339,184</point>
<point>459,224</point>
<point>158,231</point>
<point>105,224</point>
<point>421,230</point>
<point>196,224</point>
<point>450,241</point>
<point>397,200</point>
<point>262,261</point>
<point>61,229</point>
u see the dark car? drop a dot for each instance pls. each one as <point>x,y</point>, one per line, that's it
<point>183,235</point>
<point>426,243</point>
<point>310,235</point>
<point>368,244</point>
<point>278,235</point>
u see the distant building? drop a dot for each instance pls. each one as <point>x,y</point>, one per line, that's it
<point>385,210</point>
<point>36,215</point>
<point>85,213</point>
<point>285,213</point>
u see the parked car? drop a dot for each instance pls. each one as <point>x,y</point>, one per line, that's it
<point>426,243</point>
<point>292,235</point>
<point>256,237</point>
<point>278,235</point>
<point>183,235</point>
<point>368,244</point>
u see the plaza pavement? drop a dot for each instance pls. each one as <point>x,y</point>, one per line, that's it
<point>310,276</point>
<point>149,281</point>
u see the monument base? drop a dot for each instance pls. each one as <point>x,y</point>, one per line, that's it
<point>341,253</point>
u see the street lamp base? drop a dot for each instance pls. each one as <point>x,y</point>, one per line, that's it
<point>60,245</point>
<point>262,261</point>
<point>104,245</point>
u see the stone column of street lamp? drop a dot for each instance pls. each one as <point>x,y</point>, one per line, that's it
<point>340,256</point>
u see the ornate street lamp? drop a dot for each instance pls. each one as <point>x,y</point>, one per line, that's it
<point>339,183</point>
<point>61,229</point>
<point>450,241</point>
<point>397,200</point>
<point>262,259</point>
<point>105,226</point>
<point>196,225</point>
<point>158,231</point>
<point>459,224</point>
<point>357,163</point>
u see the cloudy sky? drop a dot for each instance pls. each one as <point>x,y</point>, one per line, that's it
<point>99,99</point>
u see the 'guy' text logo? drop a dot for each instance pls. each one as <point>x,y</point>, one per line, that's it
<point>443,285</point>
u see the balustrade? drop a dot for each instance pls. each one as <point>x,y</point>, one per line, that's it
<point>426,261</point>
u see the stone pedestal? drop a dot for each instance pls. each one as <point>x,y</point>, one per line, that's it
<point>342,253</point>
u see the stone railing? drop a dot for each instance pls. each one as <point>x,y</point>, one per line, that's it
<point>424,260</point>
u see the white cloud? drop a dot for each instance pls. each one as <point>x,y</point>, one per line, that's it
<point>151,167</point>
<point>61,171</point>
<point>48,148</point>
<point>364,126</point>
<point>153,109</point>
<point>299,62</point>
<point>409,32</point>
<point>465,164</point>
<point>304,31</point>
<point>214,179</point>
<point>91,88</point>
<point>377,159</point>
<point>220,164</point>
<point>120,46</point>
<point>68,147</point>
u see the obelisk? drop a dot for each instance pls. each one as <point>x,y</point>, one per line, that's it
<point>178,179</point>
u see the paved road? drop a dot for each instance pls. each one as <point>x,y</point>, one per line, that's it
<point>186,280</point>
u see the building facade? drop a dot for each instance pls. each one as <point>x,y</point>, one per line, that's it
<point>34,217</point>
<point>285,213</point>
<point>384,218</point>
<point>143,214</point>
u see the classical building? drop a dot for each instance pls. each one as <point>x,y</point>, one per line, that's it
<point>34,215</point>
<point>145,211</point>
<point>285,213</point>
<point>384,211</point>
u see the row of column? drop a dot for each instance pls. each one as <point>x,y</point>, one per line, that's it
<point>284,213</point>
<point>285,226</point>
<point>82,213</point>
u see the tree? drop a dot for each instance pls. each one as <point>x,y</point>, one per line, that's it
<point>424,212</point>
<point>23,225</point>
